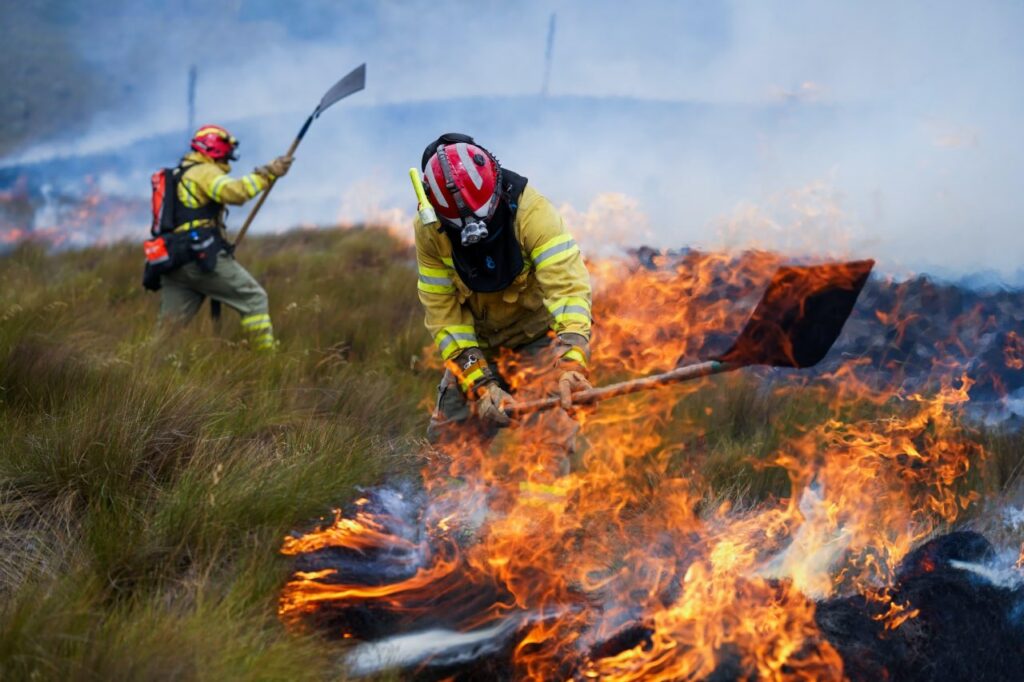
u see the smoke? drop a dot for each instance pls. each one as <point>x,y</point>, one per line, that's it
<point>714,119</point>
<point>438,647</point>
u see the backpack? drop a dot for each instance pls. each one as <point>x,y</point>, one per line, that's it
<point>167,251</point>
<point>164,182</point>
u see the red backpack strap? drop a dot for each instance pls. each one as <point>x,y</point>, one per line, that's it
<point>159,182</point>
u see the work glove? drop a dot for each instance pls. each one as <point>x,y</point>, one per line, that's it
<point>477,380</point>
<point>571,381</point>
<point>491,403</point>
<point>276,168</point>
<point>574,353</point>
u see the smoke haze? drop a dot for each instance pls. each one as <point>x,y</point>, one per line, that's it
<point>870,128</point>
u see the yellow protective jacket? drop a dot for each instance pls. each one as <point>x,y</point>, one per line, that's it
<point>206,180</point>
<point>551,292</point>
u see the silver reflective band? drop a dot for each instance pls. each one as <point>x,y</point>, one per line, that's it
<point>558,248</point>
<point>473,232</point>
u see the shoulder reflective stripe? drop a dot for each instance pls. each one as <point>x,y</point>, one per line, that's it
<point>448,261</point>
<point>218,187</point>
<point>555,254</point>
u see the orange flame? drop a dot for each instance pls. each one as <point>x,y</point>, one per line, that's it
<point>639,534</point>
<point>1013,351</point>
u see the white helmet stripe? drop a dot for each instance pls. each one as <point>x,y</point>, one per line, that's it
<point>485,210</point>
<point>434,189</point>
<point>468,164</point>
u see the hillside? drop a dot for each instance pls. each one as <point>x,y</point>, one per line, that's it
<point>147,477</point>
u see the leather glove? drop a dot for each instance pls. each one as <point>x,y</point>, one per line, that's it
<point>491,403</point>
<point>477,379</point>
<point>572,380</point>
<point>276,168</point>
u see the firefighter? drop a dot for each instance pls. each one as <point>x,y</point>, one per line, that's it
<point>203,189</point>
<point>498,271</point>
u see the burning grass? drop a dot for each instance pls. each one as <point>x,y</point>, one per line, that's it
<point>146,481</point>
<point>721,576</point>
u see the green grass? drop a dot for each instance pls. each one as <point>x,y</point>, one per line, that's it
<point>147,476</point>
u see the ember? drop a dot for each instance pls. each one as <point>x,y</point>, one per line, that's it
<point>634,567</point>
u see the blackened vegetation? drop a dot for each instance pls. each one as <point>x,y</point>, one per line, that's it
<point>967,628</point>
<point>439,604</point>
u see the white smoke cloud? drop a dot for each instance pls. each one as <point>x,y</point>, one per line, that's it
<point>905,114</point>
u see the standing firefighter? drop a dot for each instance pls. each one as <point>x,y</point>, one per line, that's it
<point>190,257</point>
<point>499,271</point>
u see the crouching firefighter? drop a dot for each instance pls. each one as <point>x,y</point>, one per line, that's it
<point>189,257</point>
<point>499,272</point>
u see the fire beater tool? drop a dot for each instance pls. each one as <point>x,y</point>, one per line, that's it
<point>350,84</point>
<point>353,82</point>
<point>794,325</point>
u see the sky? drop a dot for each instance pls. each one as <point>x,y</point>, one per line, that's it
<point>871,128</point>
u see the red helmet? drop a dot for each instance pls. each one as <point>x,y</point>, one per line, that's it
<point>215,142</point>
<point>463,182</point>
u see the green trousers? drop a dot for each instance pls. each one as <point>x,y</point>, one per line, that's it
<point>184,290</point>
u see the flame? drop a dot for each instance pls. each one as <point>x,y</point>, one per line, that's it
<point>1013,351</point>
<point>636,546</point>
<point>82,215</point>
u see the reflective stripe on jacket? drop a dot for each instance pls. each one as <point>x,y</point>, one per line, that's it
<point>208,180</point>
<point>551,293</point>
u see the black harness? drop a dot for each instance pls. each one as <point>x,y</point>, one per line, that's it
<point>180,214</point>
<point>492,263</point>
